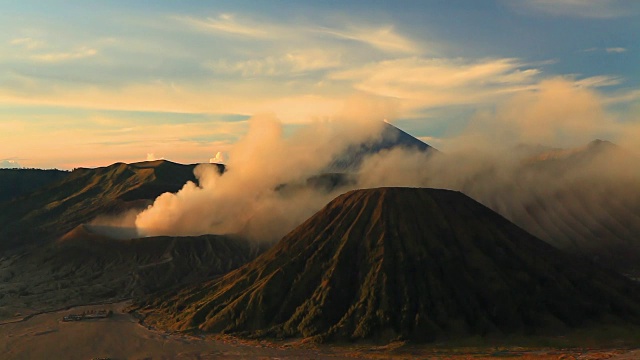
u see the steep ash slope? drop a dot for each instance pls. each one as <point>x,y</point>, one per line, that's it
<point>418,264</point>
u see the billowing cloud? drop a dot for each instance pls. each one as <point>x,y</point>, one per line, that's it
<point>533,161</point>
<point>559,112</point>
<point>246,200</point>
<point>485,161</point>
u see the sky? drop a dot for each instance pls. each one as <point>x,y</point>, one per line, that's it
<point>92,83</point>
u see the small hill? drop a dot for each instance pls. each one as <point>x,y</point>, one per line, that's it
<point>54,210</point>
<point>18,182</point>
<point>403,263</point>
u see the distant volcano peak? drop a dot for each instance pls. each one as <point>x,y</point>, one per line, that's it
<point>390,137</point>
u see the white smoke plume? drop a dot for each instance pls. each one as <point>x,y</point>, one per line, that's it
<point>584,198</point>
<point>218,159</point>
<point>561,196</point>
<point>153,157</point>
<point>245,200</point>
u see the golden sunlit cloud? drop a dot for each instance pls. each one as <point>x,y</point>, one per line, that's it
<point>218,159</point>
<point>384,38</point>
<point>436,82</point>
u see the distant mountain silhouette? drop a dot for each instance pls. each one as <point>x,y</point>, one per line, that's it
<point>390,137</point>
<point>15,183</point>
<point>402,263</point>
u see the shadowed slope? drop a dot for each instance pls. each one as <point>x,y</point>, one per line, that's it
<point>399,262</point>
<point>78,198</point>
<point>84,266</point>
<point>17,182</point>
<point>151,263</point>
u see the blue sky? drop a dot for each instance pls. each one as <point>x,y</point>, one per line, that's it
<point>91,83</point>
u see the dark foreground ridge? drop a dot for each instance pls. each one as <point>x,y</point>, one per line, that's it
<point>417,264</point>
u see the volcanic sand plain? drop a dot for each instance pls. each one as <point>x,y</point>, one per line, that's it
<point>123,336</point>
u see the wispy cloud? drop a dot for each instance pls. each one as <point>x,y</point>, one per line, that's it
<point>27,43</point>
<point>616,50</point>
<point>80,53</point>
<point>415,82</point>
<point>438,82</point>
<point>40,51</point>
<point>292,104</point>
<point>610,50</point>
<point>293,63</point>
<point>625,96</point>
<point>384,38</point>
<point>597,9</point>
<point>226,23</point>
<point>598,81</point>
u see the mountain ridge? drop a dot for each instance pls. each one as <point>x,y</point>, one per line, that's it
<point>55,209</point>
